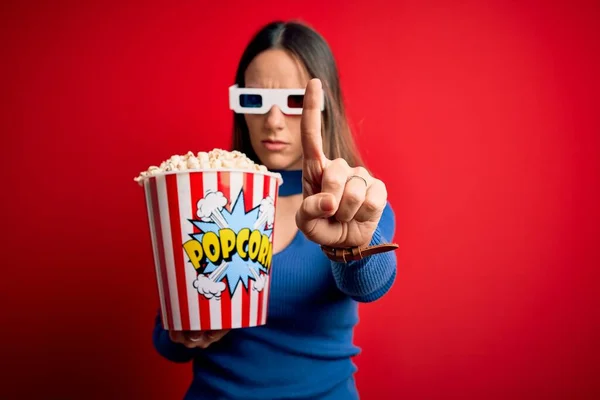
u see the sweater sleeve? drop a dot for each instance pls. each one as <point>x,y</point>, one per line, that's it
<point>170,350</point>
<point>369,279</point>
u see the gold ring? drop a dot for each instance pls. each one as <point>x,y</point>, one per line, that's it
<point>359,177</point>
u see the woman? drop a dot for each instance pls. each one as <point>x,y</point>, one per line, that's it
<point>328,203</point>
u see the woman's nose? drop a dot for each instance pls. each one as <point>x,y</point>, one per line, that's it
<point>275,119</point>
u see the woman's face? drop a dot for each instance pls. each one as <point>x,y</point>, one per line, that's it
<point>275,136</point>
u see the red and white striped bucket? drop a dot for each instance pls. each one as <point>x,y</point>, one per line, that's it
<point>212,237</point>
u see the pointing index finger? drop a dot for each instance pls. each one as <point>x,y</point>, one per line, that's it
<point>310,124</point>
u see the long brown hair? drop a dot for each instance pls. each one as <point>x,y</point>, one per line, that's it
<point>310,48</point>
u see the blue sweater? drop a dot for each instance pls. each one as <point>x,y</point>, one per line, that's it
<point>305,349</point>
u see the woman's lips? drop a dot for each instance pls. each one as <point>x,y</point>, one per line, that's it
<point>274,145</point>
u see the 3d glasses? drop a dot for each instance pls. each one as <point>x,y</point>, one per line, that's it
<point>260,101</point>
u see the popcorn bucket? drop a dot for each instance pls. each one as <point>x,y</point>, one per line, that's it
<point>212,237</point>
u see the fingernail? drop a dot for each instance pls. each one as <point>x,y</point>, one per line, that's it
<point>321,204</point>
<point>325,204</point>
<point>195,336</point>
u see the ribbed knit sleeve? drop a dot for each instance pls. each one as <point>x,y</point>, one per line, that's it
<point>369,279</point>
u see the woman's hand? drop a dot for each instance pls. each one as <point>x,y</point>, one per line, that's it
<point>342,205</point>
<point>193,339</point>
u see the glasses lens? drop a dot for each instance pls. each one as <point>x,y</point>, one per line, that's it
<point>251,100</point>
<point>295,101</point>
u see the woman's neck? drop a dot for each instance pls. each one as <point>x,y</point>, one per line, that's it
<point>292,182</point>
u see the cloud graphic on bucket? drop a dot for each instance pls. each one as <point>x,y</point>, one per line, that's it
<point>209,208</point>
<point>259,284</point>
<point>209,288</point>
<point>267,211</point>
<point>259,280</point>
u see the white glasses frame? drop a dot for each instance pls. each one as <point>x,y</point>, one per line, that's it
<point>270,98</point>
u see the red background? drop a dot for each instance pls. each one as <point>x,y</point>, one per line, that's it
<point>482,119</point>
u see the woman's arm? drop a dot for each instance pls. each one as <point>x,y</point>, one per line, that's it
<point>170,350</point>
<point>369,279</point>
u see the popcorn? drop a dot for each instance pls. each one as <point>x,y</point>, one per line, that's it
<point>216,158</point>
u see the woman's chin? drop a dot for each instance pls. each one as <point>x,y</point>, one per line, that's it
<point>278,162</point>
